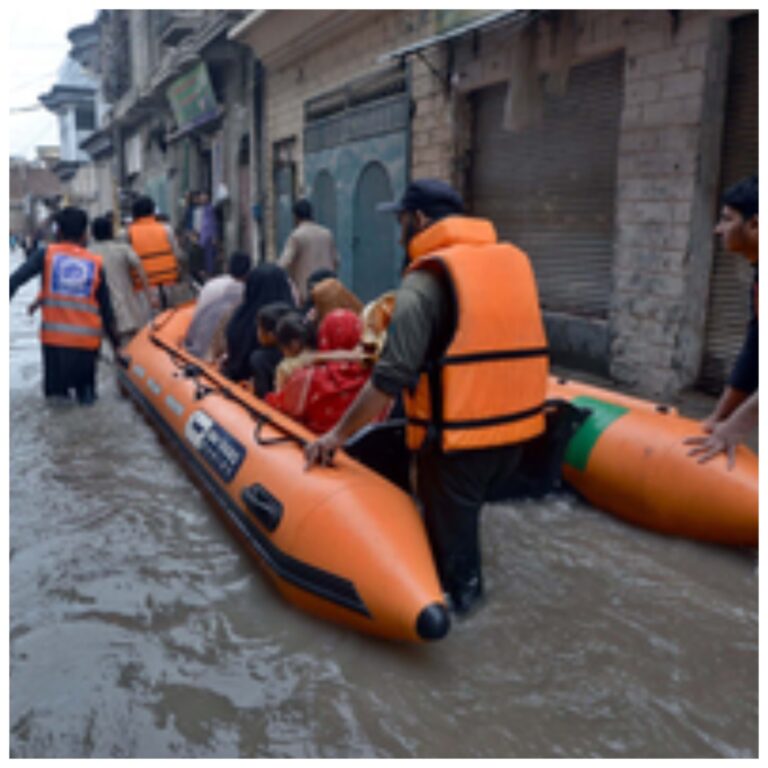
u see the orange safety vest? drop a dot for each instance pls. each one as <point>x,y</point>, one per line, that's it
<point>489,387</point>
<point>150,241</point>
<point>70,310</point>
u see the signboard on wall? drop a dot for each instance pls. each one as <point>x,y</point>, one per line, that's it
<point>191,97</point>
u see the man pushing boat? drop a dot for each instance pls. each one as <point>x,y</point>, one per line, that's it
<point>468,350</point>
<point>736,412</point>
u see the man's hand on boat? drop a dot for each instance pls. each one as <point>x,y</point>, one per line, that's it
<point>369,403</point>
<point>723,436</point>
<point>322,450</point>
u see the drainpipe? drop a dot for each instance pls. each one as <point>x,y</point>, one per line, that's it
<point>258,156</point>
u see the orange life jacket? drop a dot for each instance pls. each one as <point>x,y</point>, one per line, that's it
<point>70,310</point>
<point>489,387</point>
<point>150,241</point>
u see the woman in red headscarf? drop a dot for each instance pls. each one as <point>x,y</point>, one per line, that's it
<point>318,394</point>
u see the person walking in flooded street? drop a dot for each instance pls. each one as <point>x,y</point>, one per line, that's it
<point>309,247</point>
<point>736,412</point>
<point>156,246</point>
<point>122,267</point>
<point>76,310</point>
<point>466,346</point>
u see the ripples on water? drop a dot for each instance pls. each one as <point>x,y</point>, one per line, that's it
<point>139,628</point>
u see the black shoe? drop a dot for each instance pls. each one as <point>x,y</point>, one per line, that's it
<point>466,596</point>
<point>86,396</point>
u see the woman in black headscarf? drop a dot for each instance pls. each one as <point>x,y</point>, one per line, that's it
<point>266,284</point>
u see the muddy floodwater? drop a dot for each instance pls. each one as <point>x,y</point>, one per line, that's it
<point>140,628</point>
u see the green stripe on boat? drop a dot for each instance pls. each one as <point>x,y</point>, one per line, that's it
<point>602,416</point>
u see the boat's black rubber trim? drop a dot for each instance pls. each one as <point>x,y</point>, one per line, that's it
<point>329,586</point>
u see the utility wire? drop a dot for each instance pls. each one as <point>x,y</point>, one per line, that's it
<point>31,108</point>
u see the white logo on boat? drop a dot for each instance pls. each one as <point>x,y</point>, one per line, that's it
<point>196,428</point>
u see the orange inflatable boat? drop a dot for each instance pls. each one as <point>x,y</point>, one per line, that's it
<point>628,458</point>
<point>342,542</point>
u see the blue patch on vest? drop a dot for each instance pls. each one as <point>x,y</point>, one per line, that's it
<point>71,276</point>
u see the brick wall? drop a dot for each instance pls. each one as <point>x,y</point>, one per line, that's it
<point>669,153</point>
<point>668,166</point>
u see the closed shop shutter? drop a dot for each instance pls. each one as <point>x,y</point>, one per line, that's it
<point>551,188</point>
<point>729,307</point>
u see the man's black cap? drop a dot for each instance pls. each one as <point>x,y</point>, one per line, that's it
<point>432,197</point>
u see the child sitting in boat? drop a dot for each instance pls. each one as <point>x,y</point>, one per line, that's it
<point>296,338</point>
<point>376,316</point>
<point>264,361</point>
<point>318,394</point>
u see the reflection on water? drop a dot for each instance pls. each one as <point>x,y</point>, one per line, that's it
<point>139,628</point>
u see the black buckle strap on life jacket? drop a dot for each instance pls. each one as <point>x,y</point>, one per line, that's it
<point>490,421</point>
<point>434,436</point>
<point>434,371</point>
<point>498,354</point>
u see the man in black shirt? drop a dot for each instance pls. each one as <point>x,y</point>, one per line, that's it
<point>736,412</point>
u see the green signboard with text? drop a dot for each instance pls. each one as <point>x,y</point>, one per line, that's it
<point>192,98</point>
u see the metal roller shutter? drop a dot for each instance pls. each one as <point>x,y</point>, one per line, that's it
<point>551,188</point>
<point>729,307</point>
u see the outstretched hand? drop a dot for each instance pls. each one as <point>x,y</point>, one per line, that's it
<point>723,437</point>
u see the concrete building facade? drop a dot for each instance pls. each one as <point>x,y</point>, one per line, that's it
<point>179,117</point>
<point>597,140</point>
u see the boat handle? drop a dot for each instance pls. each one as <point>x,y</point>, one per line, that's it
<point>286,438</point>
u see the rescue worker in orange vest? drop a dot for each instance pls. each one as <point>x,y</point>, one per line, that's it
<point>76,310</point>
<point>155,244</point>
<point>466,346</point>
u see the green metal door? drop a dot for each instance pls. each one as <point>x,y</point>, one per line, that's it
<point>324,200</point>
<point>374,265</point>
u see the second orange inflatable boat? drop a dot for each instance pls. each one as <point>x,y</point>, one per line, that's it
<point>628,458</point>
<point>341,542</point>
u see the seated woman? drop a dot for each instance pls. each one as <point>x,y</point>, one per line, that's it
<point>329,294</point>
<point>318,394</point>
<point>266,284</point>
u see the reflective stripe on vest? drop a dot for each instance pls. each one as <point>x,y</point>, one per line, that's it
<point>70,312</point>
<point>67,328</point>
<point>489,387</point>
<point>150,241</point>
<point>62,304</point>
